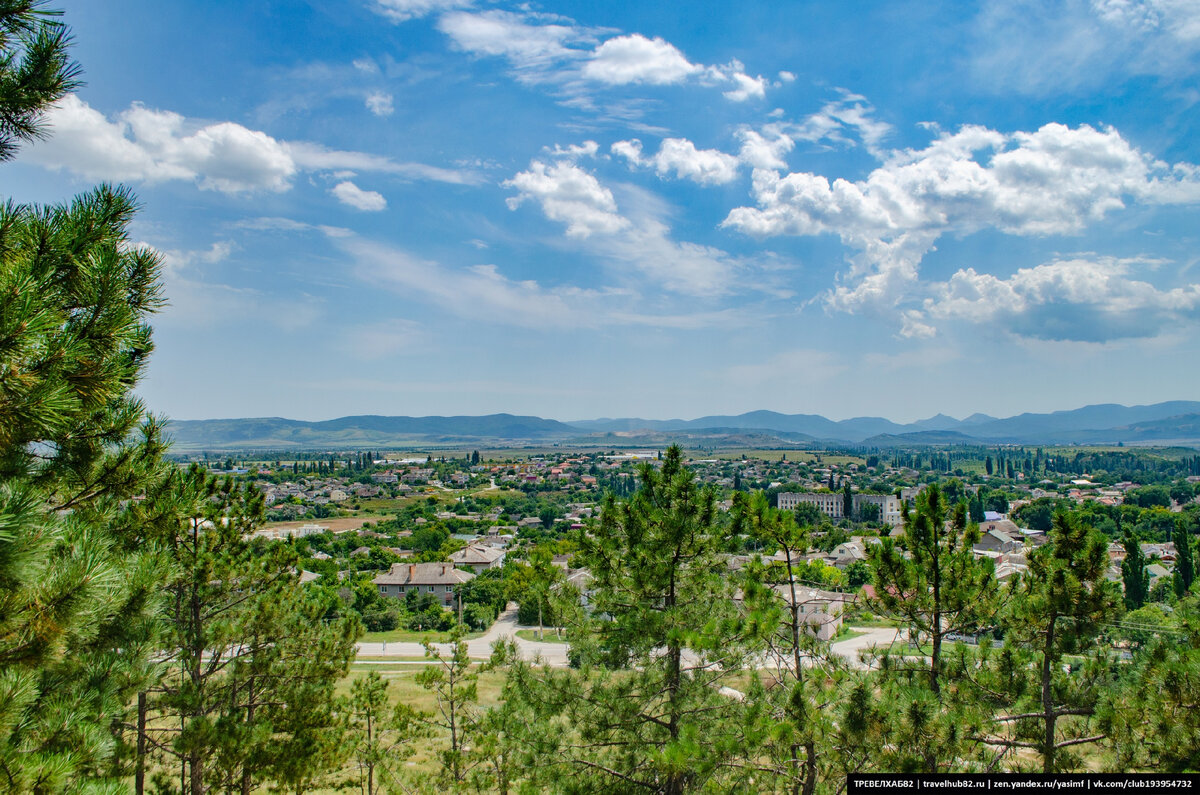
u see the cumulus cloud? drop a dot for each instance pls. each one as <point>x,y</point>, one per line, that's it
<point>766,148</point>
<point>141,144</point>
<point>353,196</point>
<point>404,10</point>
<point>144,145</point>
<point>746,87</point>
<point>1082,299</point>
<point>636,59</point>
<point>679,157</point>
<point>1053,181</point>
<point>574,197</point>
<point>568,194</point>
<point>380,103</point>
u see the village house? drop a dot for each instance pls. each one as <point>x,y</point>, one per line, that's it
<point>440,579</point>
<point>479,557</point>
<point>821,611</point>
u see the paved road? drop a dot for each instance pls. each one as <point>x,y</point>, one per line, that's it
<point>479,648</point>
<point>556,653</point>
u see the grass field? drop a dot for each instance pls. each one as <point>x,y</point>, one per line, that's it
<point>411,636</point>
<point>548,636</point>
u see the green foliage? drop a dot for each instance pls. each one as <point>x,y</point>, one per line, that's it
<point>939,587</point>
<point>1149,497</point>
<point>251,665</point>
<point>79,572</point>
<point>380,735</point>
<point>658,588</point>
<point>35,70</point>
<point>1134,576</point>
<point>455,686</point>
<point>1185,560</point>
<point>1152,720</point>
<point>1056,608</point>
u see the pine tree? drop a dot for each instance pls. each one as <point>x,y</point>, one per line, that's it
<point>249,682</point>
<point>78,587</point>
<point>35,70</point>
<point>662,608</point>
<point>939,587</point>
<point>786,715</point>
<point>1056,608</point>
<point>456,689</point>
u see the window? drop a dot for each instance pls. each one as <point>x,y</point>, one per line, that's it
<point>431,589</point>
<point>449,588</point>
<point>400,588</point>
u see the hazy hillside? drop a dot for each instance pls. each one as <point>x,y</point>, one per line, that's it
<point>1175,421</point>
<point>360,432</point>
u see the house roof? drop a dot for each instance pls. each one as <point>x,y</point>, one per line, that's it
<point>476,555</point>
<point>423,574</point>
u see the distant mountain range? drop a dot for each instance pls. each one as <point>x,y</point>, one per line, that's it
<point>1174,422</point>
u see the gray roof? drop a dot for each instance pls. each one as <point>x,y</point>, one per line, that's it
<point>423,574</point>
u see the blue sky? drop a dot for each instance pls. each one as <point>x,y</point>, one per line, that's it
<point>666,210</point>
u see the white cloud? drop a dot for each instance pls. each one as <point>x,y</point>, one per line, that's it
<point>404,10</point>
<point>544,48</point>
<point>575,151</point>
<point>1053,181</point>
<point>483,293</point>
<point>840,120</point>
<point>1083,299</point>
<point>765,149</point>
<point>636,59</point>
<point>509,35</point>
<point>154,146</point>
<point>572,196</point>
<point>350,194</point>
<point>380,103</point>
<point>681,158</point>
<point>746,87</point>
<point>568,194</point>
<point>314,157</point>
<point>146,145</point>
<point>683,267</point>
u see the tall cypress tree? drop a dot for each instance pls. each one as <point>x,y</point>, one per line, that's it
<point>1185,559</point>
<point>1134,576</point>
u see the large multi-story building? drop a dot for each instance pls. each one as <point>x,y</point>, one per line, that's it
<point>833,505</point>
<point>440,579</point>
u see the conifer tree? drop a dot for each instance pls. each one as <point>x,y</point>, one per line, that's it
<point>1134,576</point>
<point>1055,608</point>
<point>661,607</point>
<point>1185,559</point>
<point>78,588</point>
<point>251,667</point>
<point>939,587</point>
